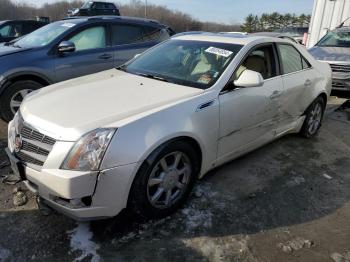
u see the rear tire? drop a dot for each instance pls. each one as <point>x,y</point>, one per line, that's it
<point>12,97</point>
<point>164,182</point>
<point>313,121</point>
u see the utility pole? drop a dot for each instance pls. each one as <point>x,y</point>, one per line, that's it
<point>145,8</point>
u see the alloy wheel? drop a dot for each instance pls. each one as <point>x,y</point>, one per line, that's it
<point>17,99</point>
<point>169,180</point>
<point>315,118</point>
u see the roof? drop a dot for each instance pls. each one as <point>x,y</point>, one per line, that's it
<point>114,17</point>
<point>220,37</point>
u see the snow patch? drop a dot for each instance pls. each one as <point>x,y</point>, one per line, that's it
<point>4,254</point>
<point>80,240</point>
<point>197,218</point>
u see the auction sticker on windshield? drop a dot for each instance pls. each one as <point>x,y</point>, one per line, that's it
<point>219,51</point>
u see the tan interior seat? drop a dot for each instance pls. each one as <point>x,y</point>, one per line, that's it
<point>257,64</point>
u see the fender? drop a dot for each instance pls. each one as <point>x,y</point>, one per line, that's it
<point>7,80</point>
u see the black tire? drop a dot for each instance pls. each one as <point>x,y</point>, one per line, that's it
<point>5,99</point>
<point>307,130</point>
<point>139,201</point>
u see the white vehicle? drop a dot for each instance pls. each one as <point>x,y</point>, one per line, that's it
<point>139,136</point>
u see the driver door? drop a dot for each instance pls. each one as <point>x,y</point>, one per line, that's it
<point>92,54</point>
<point>249,116</point>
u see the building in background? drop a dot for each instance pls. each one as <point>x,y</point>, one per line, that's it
<point>327,15</point>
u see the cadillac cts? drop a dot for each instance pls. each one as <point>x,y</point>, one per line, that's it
<point>139,136</point>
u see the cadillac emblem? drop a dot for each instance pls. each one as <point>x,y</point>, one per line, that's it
<point>18,143</point>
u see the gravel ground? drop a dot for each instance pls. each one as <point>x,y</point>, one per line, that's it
<point>288,201</point>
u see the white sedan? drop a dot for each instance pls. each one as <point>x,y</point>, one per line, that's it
<point>140,136</point>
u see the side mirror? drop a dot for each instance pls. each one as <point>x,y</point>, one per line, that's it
<point>249,78</point>
<point>66,47</point>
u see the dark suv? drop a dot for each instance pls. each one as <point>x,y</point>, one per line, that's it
<point>10,30</point>
<point>92,8</point>
<point>68,49</point>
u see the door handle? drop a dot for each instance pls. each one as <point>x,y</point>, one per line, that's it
<point>275,94</point>
<point>105,56</point>
<point>308,83</point>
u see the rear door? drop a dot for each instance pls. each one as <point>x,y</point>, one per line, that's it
<point>129,41</point>
<point>93,54</point>
<point>299,80</point>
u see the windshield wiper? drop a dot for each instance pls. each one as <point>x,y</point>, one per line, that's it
<point>122,68</point>
<point>153,77</point>
<point>12,44</point>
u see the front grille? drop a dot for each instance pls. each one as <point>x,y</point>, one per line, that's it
<point>340,68</point>
<point>35,146</point>
<point>32,134</point>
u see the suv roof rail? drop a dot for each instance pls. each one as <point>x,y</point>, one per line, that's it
<point>114,17</point>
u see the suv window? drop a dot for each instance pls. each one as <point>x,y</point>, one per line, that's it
<point>110,6</point>
<point>291,59</point>
<point>11,30</point>
<point>91,38</point>
<point>154,34</point>
<point>261,60</point>
<point>126,34</point>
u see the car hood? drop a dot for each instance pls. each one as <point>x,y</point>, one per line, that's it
<point>69,109</point>
<point>330,54</point>
<point>8,50</point>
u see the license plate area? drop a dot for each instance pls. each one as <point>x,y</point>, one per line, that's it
<point>16,165</point>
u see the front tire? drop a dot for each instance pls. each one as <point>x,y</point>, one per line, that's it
<point>313,121</point>
<point>163,184</point>
<point>13,96</point>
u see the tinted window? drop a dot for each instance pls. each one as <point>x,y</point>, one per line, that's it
<point>91,38</point>
<point>110,6</point>
<point>5,31</point>
<point>12,30</point>
<point>151,33</point>
<point>291,59</point>
<point>261,60</point>
<point>126,34</point>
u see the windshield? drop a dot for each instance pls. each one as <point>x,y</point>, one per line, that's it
<point>193,63</point>
<point>336,39</point>
<point>45,35</point>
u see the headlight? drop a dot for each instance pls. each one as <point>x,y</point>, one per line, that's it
<point>87,153</point>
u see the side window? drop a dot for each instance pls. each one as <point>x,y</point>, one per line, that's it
<point>126,34</point>
<point>110,6</point>
<point>261,60</point>
<point>151,33</point>
<point>306,64</point>
<point>91,38</point>
<point>291,59</point>
<point>5,31</point>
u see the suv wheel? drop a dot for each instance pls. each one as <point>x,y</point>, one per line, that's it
<point>313,120</point>
<point>13,96</point>
<point>162,185</point>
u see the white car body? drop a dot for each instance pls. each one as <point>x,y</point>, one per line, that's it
<point>147,114</point>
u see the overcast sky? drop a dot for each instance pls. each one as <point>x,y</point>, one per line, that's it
<point>227,11</point>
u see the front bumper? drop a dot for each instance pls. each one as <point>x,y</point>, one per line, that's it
<point>341,83</point>
<point>82,195</point>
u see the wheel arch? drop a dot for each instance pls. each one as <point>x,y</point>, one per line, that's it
<point>187,139</point>
<point>324,97</point>
<point>23,76</point>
